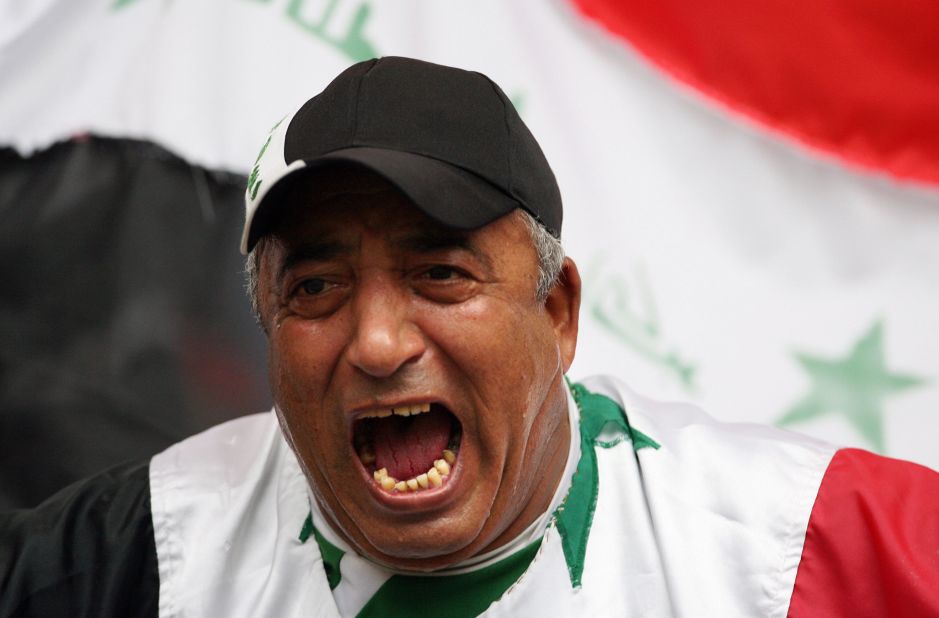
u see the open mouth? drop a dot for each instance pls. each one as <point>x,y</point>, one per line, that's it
<point>410,448</point>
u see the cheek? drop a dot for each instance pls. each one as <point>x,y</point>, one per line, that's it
<point>301,361</point>
<point>482,336</point>
<point>506,352</point>
<point>514,343</point>
<point>303,356</point>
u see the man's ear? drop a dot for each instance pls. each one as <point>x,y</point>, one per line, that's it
<point>563,308</point>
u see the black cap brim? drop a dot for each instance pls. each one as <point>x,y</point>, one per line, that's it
<point>444,192</point>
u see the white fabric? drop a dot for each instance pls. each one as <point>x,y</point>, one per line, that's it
<point>228,506</point>
<point>712,523</point>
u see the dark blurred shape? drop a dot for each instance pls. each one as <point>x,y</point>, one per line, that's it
<point>124,326</point>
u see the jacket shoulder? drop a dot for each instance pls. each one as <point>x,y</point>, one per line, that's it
<point>86,551</point>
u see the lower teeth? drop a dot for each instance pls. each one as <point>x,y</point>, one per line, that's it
<point>432,478</point>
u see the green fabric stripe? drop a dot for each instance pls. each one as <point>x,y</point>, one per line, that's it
<point>307,528</point>
<point>330,553</point>
<point>600,410</point>
<point>454,596</point>
<point>575,515</point>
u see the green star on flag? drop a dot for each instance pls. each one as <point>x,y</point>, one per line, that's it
<point>854,386</point>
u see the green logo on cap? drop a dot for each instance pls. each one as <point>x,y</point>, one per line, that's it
<point>254,179</point>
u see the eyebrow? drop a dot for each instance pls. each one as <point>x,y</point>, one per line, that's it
<point>428,241</point>
<point>314,251</point>
<point>422,241</point>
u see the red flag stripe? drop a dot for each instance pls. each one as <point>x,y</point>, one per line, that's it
<point>872,545</point>
<point>855,78</point>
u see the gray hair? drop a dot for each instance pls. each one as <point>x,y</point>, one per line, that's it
<point>548,249</point>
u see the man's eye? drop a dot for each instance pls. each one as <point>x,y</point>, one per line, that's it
<point>314,286</point>
<point>440,272</point>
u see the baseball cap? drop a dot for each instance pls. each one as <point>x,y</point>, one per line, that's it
<point>448,139</point>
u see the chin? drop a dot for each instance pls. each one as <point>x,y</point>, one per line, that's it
<point>429,560</point>
<point>424,545</point>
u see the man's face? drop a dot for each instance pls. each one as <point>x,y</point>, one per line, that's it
<point>373,311</point>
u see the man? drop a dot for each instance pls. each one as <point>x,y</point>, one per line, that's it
<point>426,454</point>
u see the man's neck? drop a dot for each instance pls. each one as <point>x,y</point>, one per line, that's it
<point>550,475</point>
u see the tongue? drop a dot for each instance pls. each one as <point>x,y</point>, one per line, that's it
<point>408,446</point>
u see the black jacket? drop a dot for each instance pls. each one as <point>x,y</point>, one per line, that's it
<point>86,551</point>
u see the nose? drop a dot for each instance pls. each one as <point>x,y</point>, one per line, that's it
<point>384,337</point>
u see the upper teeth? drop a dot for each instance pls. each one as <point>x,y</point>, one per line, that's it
<point>418,408</point>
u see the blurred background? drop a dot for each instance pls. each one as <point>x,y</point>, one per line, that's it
<point>751,192</point>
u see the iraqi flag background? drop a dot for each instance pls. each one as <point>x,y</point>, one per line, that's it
<point>751,192</point>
